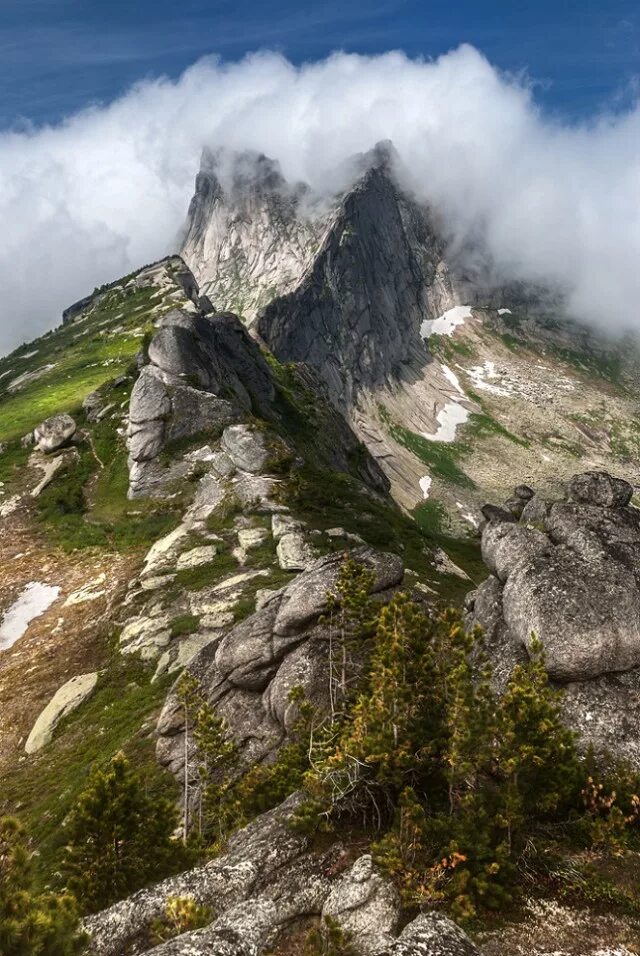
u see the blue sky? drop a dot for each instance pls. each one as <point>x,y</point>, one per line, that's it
<point>57,56</point>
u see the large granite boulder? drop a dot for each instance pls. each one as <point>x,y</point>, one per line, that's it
<point>249,674</point>
<point>54,433</point>
<point>366,905</point>
<point>65,700</point>
<point>204,373</point>
<point>569,573</point>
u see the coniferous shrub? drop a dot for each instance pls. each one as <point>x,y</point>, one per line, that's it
<point>119,838</point>
<point>31,924</point>
<point>453,775</point>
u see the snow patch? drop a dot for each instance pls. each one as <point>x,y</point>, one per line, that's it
<point>448,420</point>
<point>425,486</point>
<point>34,600</point>
<point>467,515</point>
<point>445,324</point>
<point>479,375</point>
<point>505,312</point>
<point>452,378</point>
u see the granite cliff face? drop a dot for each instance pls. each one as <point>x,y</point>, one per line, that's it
<point>357,312</point>
<point>564,568</point>
<point>249,233</point>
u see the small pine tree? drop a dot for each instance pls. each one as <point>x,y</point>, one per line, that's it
<point>182,915</point>
<point>31,925</point>
<point>209,768</point>
<point>119,838</point>
<point>329,939</point>
<point>351,616</point>
<point>536,752</point>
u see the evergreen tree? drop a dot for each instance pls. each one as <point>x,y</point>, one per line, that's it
<point>351,617</point>
<point>209,767</point>
<point>119,838</point>
<point>31,925</point>
<point>536,753</point>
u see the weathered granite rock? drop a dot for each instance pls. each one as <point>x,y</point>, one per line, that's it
<point>248,448</point>
<point>283,524</point>
<point>366,905</point>
<point>163,554</point>
<point>249,674</point>
<point>54,433</point>
<point>585,613</point>
<point>65,700</point>
<point>569,572</point>
<point>431,934</point>
<point>495,514</point>
<point>93,404</point>
<point>256,858</point>
<point>505,545</point>
<point>600,488</point>
<point>196,557</point>
<point>146,637</point>
<point>204,373</point>
<point>294,552</point>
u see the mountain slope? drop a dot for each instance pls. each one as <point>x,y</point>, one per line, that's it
<point>186,506</point>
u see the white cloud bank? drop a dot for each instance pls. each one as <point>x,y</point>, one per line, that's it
<point>108,190</point>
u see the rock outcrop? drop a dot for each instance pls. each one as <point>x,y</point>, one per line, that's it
<point>266,881</point>
<point>248,675</point>
<point>54,433</point>
<point>65,700</point>
<point>204,373</point>
<point>568,573</point>
<point>249,234</point>
<point>356,314</point>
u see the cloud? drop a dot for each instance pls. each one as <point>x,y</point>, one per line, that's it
<point>107,190</point>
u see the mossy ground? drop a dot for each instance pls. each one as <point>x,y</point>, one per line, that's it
<point>118,716</point>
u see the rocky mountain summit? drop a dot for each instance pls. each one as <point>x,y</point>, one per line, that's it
<point>185,463</point>
<point>249,232</point>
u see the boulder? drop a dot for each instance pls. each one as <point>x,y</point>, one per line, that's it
<point>146,636</point>
<point>54,433</point>
<point>294,552</point>
<point>600,488</point>
<point>505,546</point>
<point>495,514</point>
<point>92,405</point>
<point>249,538</point>
<point>65,700</point>
<point>306,597</point>
<point>569,572</point>
<point>149,398</point>
<point>249,674</point>
<point>431,934</point>
<point>196,557</point>
<point>248,448</point>
<point>586,614</point>
<point>366,905</point>
<point>163,554</point>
